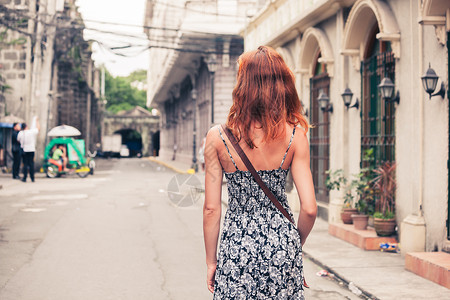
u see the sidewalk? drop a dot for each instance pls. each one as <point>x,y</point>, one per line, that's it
<point>376,275</point>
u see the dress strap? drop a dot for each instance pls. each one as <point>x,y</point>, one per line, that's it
<point>228,150</point>
<point>287,150</point>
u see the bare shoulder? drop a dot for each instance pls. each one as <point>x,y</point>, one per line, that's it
<point>213,135</point>
<point>300,141</point>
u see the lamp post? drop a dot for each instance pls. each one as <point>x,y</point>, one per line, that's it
<point>194,143</point>
<point>212,67</point>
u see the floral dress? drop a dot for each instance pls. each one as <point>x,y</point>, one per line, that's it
<point>260,254</point>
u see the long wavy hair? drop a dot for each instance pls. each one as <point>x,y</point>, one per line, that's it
<point>265,93</point>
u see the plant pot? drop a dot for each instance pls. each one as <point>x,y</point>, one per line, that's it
<point>346,215</point>
<point>370,221</point>
<point>384,227</point>
<point>360,221</point>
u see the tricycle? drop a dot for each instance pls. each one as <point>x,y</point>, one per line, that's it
<point>76,161</point>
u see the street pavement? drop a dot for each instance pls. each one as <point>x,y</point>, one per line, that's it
<point>123,233</point>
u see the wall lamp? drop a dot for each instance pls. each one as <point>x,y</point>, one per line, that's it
<point>347,96</point>
<point>429,81</point>
<point>387,90</point>
<point>324,103</point>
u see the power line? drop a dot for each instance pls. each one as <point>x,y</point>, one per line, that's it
<point>198,11</point>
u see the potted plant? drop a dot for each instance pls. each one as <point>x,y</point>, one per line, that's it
<point>363,186</point>
<point>385,185</point>
<point>335,181</point>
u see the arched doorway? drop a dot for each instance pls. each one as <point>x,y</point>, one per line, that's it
<point>132,139</point>
<point>319,136</point>
<point>316,62</point>
<point>377,115</point>
<point>155,143</point>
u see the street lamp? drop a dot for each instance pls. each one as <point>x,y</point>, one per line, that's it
<point>212,67</point>
<point>429,81</point>
<point>347,96</point>
<point>387,90</point>
<point>194,144</point>
<point>324,102</point>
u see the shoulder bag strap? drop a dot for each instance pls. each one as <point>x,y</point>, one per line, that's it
<point>255,174</point>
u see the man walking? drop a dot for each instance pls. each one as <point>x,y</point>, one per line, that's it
<point>27,138</point>
<point>16,151</point>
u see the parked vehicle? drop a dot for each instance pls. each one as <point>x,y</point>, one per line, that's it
<point>111,145</point>
<point>77,162</point>
<point>124,151</point>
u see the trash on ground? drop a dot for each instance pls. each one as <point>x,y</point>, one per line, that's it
<point>352,287</point>
<point>389,247</point>
<point>323,273</point>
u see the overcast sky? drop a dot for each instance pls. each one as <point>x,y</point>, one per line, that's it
<point>122,12</point>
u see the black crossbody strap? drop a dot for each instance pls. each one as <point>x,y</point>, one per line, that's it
<point>255,174</point>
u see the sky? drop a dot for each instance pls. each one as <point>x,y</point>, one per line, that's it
<point>123,12</point>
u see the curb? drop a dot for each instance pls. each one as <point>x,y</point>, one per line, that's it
<point>167,165</point>
<point>340,279</point>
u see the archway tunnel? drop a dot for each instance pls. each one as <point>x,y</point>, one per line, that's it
<point>132,139</point>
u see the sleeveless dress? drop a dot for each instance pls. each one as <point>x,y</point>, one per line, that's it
<point>260,253</point>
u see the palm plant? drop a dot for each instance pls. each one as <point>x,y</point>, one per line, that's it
<point>385,185</point>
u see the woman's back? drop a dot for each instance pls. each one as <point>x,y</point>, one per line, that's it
<point>260,250</point>
<point>266,155</point>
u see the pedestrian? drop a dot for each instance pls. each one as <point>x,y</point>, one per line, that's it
<point>27,138</point>
<point>16,151</point>
<point>260,252</point>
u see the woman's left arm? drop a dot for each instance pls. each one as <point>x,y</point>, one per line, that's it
<point>212,208</point>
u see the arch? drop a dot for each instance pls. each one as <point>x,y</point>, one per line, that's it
<point>132,138</point>
<point>363,16</point>
<point>287,57</point>
<point>313,41</point>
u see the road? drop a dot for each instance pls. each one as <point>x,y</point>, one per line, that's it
<point>114,235</point>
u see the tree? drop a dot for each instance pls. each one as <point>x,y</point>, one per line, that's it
<point>120,95</point>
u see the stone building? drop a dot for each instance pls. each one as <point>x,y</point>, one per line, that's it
<point>195,45</point>
<point>332,45</point>
<point>47,69</point>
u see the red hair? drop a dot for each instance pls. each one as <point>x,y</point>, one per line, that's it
<point>265,92</point>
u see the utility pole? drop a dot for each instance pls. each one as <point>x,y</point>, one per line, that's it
<point>88,107</point>
<point>43,64</point>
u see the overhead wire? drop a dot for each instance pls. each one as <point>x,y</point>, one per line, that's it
<point>154,41</point>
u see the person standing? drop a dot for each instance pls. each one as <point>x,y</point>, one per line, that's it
<point>260,253</point>
<point>27,138</point>
<point>16,150</point>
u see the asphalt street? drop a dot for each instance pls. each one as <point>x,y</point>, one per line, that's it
<point>133,230</point>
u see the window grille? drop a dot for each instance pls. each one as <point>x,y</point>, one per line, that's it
<point>319,137</point>
<point>377,116</point>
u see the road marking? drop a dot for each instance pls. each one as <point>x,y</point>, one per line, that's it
<point>33,209</point>
<point>59,197</point>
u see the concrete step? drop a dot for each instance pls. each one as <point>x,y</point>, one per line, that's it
<point>364,239</point>
<point>434,266</point>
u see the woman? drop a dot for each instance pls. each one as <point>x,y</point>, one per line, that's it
<point>260,252</point>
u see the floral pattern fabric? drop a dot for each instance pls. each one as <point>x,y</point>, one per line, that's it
<point>260,254</point>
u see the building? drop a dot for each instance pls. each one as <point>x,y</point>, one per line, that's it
<point>46,69</point>
<point>332,45</point>
<point>194,48</point>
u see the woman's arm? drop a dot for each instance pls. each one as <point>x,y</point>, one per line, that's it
<point>212,206</point>
<point>301,173</point>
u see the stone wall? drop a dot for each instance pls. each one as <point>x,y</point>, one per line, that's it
<point>14,64</point>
